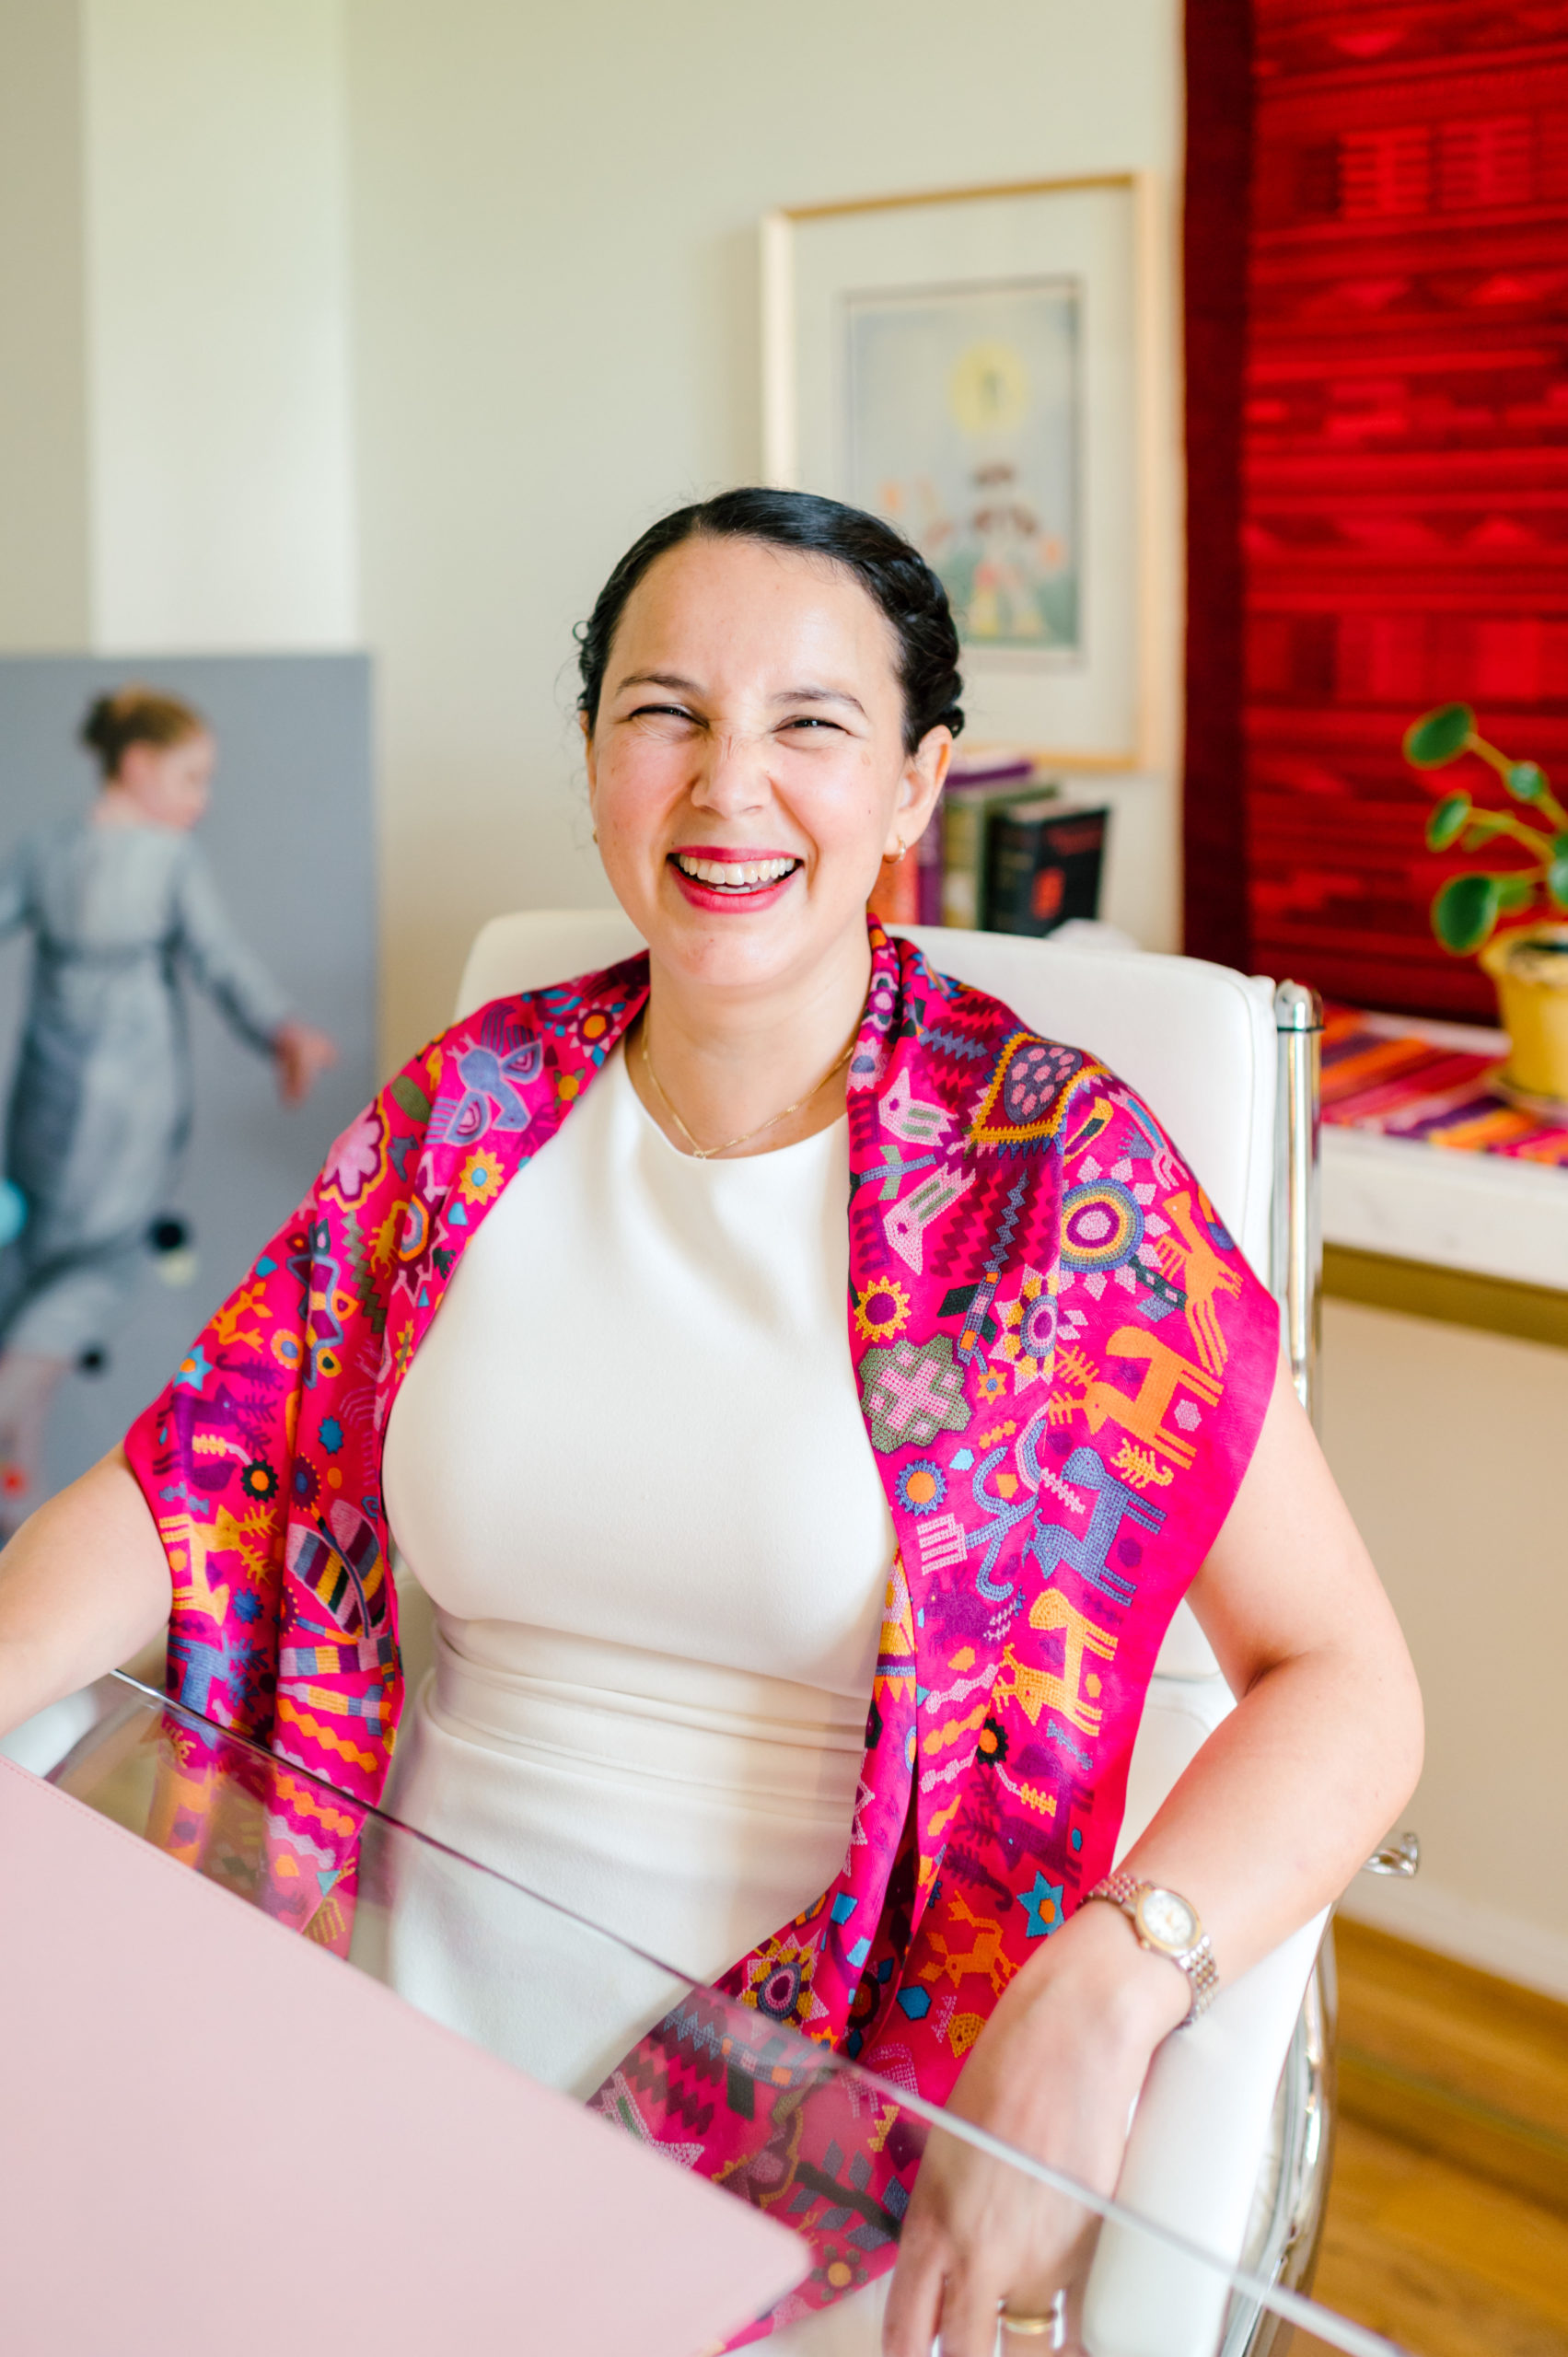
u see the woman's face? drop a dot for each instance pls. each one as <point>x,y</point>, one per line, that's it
<point>169,783</point>
<point>746,767</point>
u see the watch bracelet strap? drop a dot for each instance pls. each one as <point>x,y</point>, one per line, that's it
<point>1121,1889</point>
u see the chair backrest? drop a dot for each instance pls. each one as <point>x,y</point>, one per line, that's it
<point>1197,1042</point>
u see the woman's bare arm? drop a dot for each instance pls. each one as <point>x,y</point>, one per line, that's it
<point>84,1585</point>
<point>1290,1794</point>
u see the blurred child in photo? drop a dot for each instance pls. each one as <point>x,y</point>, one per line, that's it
<point>122,910</point>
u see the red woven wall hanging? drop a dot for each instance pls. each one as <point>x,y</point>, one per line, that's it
<point>1403,489</point>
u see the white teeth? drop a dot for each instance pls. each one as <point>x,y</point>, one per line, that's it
<point>734,875</point>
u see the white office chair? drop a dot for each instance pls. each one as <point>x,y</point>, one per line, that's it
<point>1230,2144</point>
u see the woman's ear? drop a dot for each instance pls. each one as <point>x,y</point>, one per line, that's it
<point>589,762</point>
<point>925,773</point>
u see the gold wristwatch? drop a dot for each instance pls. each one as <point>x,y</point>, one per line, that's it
<point>1168,1925</point>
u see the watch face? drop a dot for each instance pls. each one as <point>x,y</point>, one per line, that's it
<point>1167,1922</point>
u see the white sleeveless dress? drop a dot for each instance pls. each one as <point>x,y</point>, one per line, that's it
<point>629,1468</point>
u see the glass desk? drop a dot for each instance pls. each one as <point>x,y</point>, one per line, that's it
<point>467,1946</point>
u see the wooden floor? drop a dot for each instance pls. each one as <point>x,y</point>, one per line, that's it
<point>1447,2225</point>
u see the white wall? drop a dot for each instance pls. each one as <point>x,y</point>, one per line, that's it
<point>44,488</point>
<point>1449,1447</point>
<point>219,421</point>
<point>555,217</point>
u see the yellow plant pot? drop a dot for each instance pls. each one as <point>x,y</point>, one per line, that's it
<point>1530,970</point>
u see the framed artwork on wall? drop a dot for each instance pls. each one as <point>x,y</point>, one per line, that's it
<point>972,365</point>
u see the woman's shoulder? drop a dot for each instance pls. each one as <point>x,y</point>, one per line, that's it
<point>571,1025</point>
<point>938,1000</point>
<point>494,1068</point>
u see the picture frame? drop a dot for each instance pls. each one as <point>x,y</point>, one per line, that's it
<point>975,364</point>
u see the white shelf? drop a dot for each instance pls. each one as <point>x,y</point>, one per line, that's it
<point>1479,1212</point>
<point>1485,1213</point>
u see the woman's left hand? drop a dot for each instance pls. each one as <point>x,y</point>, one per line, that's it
<point>1056,2073</point>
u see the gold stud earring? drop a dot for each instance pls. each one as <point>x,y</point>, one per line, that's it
<point>903,848</point>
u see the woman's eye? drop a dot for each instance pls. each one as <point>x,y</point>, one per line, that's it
<point>674,711</point>
<point>811,720</point>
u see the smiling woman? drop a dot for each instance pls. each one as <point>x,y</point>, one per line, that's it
<point>664,1321</point>
<point>770,700</point>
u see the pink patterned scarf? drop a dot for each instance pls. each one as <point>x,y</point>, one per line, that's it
<point>1063,1364</point>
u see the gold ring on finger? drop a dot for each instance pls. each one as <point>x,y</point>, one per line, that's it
<point>1030,2328</point>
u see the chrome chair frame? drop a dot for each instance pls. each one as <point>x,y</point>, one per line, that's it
<point>1287,2224</point>
<point>1286,2237</point>
<point>1298,1225</point>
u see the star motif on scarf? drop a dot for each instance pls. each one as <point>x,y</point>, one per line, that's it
<point>1042,1905</point>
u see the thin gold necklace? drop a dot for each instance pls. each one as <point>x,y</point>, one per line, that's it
<point>707,1153</point>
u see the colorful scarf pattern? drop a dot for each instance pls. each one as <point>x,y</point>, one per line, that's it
<point>1063,1364</point>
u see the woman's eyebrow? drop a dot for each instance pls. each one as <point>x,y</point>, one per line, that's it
<point>821,695</point>
<point>683,687</point>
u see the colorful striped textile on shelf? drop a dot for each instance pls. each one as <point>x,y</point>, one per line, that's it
<point>1411,1081</point>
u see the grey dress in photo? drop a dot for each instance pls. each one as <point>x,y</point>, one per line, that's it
<point>100,1103</point>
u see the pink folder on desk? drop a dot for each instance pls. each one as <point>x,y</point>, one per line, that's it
<point>216,2136</point>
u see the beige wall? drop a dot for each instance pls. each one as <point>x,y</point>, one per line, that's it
<point>1450,1447</point>
<point>216,256</point>
<point>555,216</point>
<point>43,477</point>
<point>175,462</point>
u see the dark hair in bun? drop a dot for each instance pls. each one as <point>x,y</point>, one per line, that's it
<point>887,567</point>
<point>136,716</point>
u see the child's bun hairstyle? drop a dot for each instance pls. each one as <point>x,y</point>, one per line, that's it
<point>136,716</point>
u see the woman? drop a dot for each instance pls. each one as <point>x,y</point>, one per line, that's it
<point>118,907</point>
<point>856,1641</point>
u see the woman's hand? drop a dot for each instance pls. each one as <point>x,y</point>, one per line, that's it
<point>1055,2072</point>
<point>301,1054</point>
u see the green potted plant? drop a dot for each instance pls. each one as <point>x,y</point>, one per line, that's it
<point>1528,961</point>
